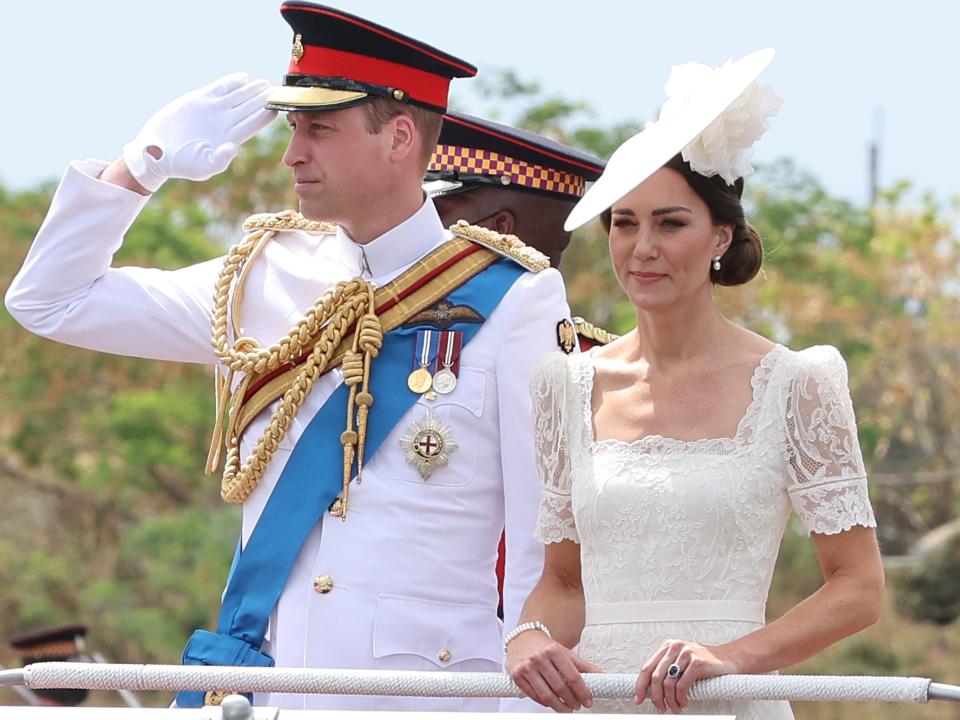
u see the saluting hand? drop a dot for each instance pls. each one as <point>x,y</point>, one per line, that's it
<point>548,672</point>
<point>197,135</point>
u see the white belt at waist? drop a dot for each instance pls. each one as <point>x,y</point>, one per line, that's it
<point>674,610</point>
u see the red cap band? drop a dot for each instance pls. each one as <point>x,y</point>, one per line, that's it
<point>418,84</point>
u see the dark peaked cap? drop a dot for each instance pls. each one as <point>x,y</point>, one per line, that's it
<point>339,60</point>
<point>59,643</point>
<point>473,152</point>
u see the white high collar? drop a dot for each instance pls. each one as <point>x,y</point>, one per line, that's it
<point>399,247</point>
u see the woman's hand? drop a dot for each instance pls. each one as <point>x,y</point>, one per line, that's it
<point>548,672</point>
<point>693,662</point>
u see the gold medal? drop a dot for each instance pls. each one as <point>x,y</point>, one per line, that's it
<point>444,382</point>
<point>428,444</point>
<point>420,380</point>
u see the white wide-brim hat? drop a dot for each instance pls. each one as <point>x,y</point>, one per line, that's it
<point>646,152</point>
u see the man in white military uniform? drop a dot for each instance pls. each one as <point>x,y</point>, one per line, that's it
<point>406,579</point>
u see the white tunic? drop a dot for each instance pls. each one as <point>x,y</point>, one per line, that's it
<point>413,565</point>
<point>678,540</point>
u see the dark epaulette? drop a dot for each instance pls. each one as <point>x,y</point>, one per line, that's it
<point>507,245</point>
<point>286,220</point>
<point>596,335</point>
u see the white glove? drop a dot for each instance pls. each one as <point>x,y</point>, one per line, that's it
<point>199,134</point>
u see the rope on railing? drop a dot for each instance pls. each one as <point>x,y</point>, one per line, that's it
<point>96,676</point>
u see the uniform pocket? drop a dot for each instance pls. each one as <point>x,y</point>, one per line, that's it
<point>444,634</point>
<point>468,394</point>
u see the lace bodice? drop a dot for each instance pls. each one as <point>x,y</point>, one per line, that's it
<point>660,519</point>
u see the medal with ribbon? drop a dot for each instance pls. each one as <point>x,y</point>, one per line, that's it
<point>429,441</point>
<point>421,379</point>
<point>448,361</point>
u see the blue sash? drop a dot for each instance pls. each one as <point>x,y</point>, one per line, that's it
<point>310,481</point>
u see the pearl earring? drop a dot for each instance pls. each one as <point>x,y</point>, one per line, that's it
<point>716,263</point>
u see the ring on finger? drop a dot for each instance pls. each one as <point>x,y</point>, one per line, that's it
<point>674,671</point>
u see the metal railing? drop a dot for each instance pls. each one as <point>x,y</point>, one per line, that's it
<point>94,676</point>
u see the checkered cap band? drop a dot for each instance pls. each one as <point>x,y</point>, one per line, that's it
<point>52,649</point>
<point>473,161</point>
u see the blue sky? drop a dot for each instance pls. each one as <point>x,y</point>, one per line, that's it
<point>81,77</point>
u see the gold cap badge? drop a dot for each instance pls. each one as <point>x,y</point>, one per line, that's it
<point>297,51</point>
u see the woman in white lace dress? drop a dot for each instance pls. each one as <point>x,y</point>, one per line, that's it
<point>672,458</point>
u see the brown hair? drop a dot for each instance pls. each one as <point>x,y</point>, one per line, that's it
<point>741,262</point>
<point>380,110</point>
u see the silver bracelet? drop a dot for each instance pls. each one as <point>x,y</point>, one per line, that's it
<point>522,628</point>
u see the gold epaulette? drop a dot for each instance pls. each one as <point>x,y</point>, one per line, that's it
<point>286,220</point>
<point>507,245</point>
<point>592,332</point>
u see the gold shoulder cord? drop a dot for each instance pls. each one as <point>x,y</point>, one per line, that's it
<point>347,306</point>
<point>593,332</point>
<point>509,245</point>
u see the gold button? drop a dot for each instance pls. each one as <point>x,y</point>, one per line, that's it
<point>444,656</point>
<point>214,697</point>
<point>323,584</point>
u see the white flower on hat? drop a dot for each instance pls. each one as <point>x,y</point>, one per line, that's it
<point>713,117</point>
<point>725,148</point>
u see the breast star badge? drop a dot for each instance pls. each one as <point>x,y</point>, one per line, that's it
<point>428,444</point>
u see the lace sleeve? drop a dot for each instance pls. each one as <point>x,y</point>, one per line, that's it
<point>828,482</point>
<point>548,391</point>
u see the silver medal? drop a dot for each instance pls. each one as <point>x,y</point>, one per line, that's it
<point>444,382</point>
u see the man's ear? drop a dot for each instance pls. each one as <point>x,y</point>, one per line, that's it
<point>404,138</point>
<point>504,222</point>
